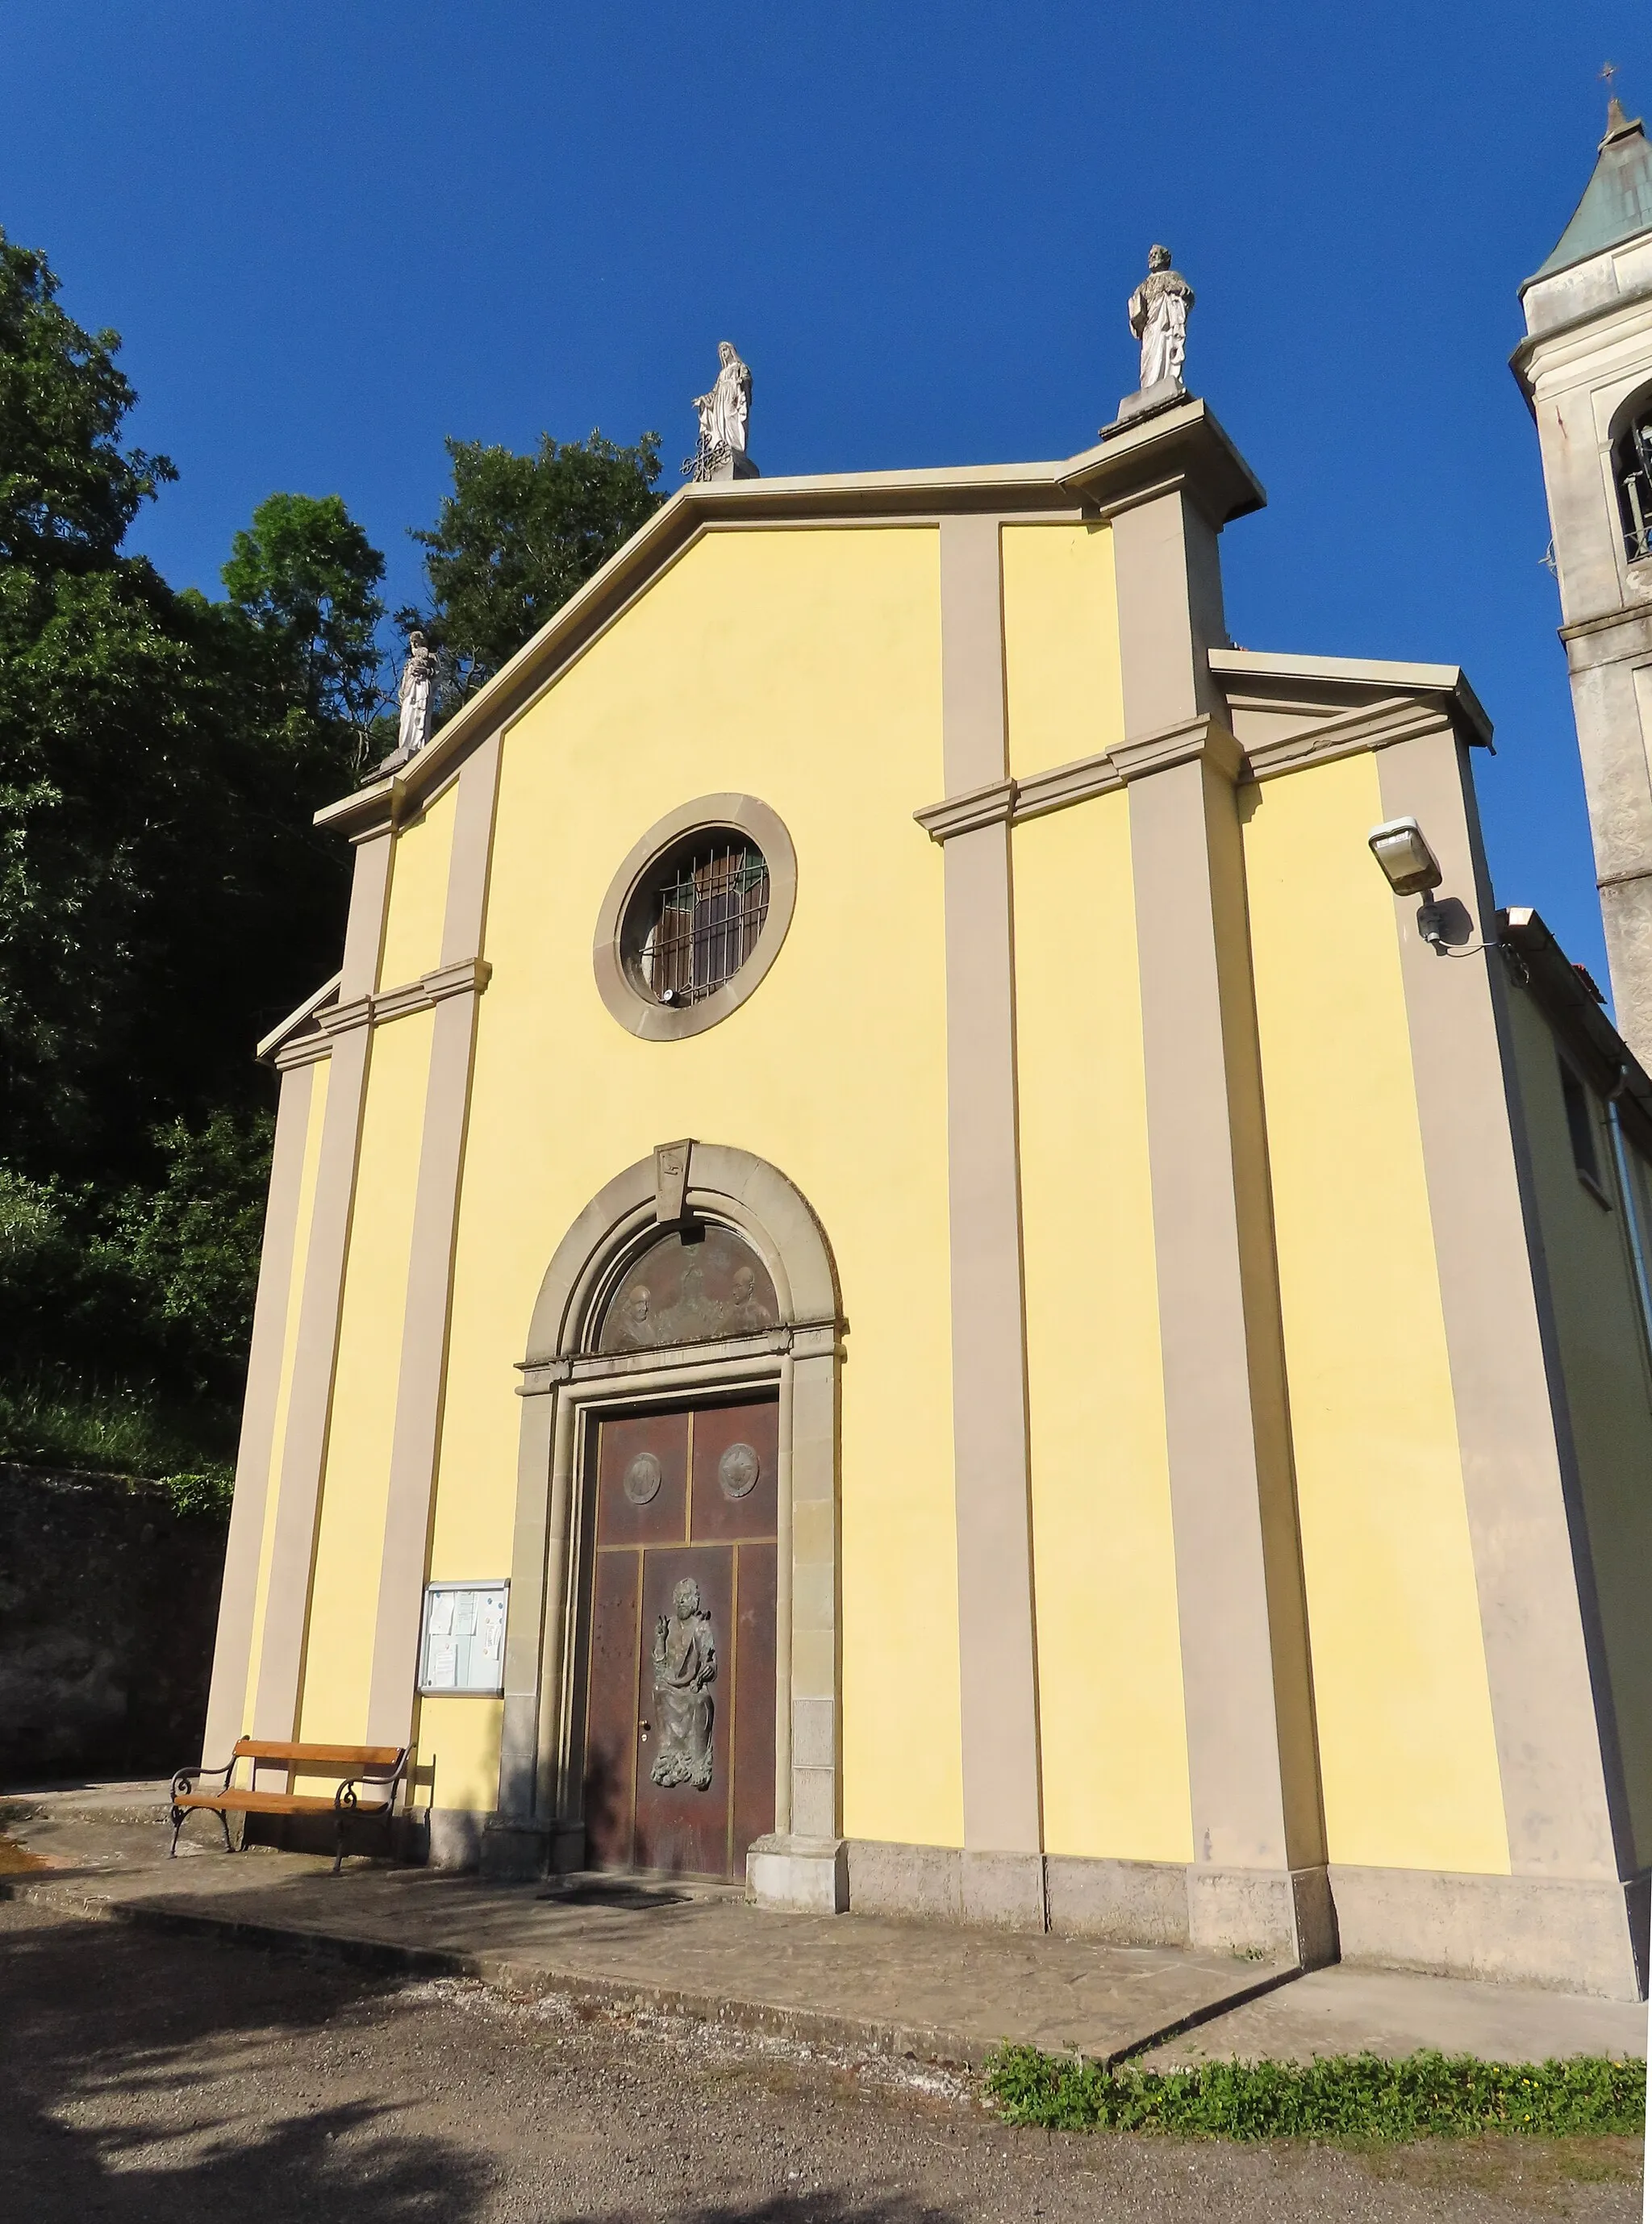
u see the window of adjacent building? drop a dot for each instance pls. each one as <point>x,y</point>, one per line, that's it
<point>697,917</point>
<point>1580,1125</point>
<point>1632,467</point>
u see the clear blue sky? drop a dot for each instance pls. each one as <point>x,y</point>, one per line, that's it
<point>330,235</point>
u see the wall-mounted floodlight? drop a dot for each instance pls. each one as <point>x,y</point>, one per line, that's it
<point>1410,865</point>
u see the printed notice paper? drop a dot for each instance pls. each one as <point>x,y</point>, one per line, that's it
<point>465,1638</point>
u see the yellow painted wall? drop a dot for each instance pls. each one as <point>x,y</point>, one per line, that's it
<point>458,1746</point>
<point>412,930</point>
<point>315,1078</point>
<point>1114,1745</point>
<point>344,1599</point>
<point>1603,1361</point>
<point>1060,645</point>
<point>1410,1766</point>
<point>802,667</point>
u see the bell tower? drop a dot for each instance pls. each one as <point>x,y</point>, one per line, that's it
<point>1586,369</point>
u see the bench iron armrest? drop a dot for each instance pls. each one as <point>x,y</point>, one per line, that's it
<point>343,1800</point>
<point>375,1780</point>
<point>186,1779</point>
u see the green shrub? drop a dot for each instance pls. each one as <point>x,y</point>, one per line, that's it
<point>1356,2096</point>
<point>49,1417</point>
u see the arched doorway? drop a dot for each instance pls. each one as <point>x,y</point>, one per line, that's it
<point>672,1671</point>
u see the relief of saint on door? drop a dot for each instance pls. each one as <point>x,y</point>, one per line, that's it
<point>679,1742</point>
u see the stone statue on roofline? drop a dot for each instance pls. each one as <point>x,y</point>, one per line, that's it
<point>416,694</point>
<point>1158,318</point>
<point>724,414</point>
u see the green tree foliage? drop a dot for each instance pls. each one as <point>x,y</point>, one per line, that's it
<point>68,489</point>
<point>149,1283</point>
<point>519,534</point>
<point>192,1243</point>
<point>306,574</point>
<point>163,896</point>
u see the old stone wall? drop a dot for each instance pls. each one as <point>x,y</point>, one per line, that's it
<point>108,1605</point>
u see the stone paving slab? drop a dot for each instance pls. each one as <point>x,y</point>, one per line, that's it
<point>940,1993</point>
<point>1391,2012</point>
<point>861,1982</point>
<point>145,1800</point>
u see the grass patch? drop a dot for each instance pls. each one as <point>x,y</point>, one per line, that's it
<point>1349,2097</point>
<point>93,1429</point>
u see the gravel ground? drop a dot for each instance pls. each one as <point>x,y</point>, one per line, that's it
<point>145,2078</point>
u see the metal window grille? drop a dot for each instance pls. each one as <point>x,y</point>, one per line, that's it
<point>1634,484</point>
<point>708,914</point>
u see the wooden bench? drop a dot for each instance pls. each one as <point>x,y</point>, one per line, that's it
<point>371,1768</point>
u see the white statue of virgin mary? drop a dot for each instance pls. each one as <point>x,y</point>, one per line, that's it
<point>416,696</point>
<point>725,410</point>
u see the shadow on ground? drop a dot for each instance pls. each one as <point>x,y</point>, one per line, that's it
<point>115,2091</point>
<point>141,2081</point>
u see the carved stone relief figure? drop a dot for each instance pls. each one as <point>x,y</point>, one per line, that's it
<point>685,1666</point>
<point>689,1292</point>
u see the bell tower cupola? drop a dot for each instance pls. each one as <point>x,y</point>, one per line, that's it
<point>1586,369</point>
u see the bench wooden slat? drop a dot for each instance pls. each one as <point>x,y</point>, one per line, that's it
<point>379,1768</point>
<point>322,1756</point>
<point>273,1803</point>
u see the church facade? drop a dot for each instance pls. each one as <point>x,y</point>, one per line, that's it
<point>893,1268</point>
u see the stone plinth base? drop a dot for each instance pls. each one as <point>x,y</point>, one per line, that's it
<point>1145,401</point>
<point>803,1876</point>
<point>1283,1914</point>
<point>1569,1934</point>
<point>514,1852</point>
<point>1273,1911</point>
<point>704,469</point>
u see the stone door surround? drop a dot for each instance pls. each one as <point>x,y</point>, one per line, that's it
<point>567,1387</point>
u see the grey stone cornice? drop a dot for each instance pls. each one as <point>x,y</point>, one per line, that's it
<point>1609,637</point>
<point>1043,791</point>
<point>1375,725</point>
<point>1521,360</point>
<point>1199,740</point>
<point>304,1050</point>
<point>1263,676</point>
<point>467,978</point>
<point>797,1339</point>
<point>1184,446</point>
<point>993,805</point>
<point>295,1022</point>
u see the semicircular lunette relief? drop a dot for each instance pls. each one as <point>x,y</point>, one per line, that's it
<point>692,1291</point>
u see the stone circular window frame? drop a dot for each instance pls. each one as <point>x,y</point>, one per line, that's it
<point>639,1014</point>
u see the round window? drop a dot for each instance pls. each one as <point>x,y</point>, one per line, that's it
<point>696,918</point>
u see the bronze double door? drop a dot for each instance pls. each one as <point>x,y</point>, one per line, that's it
<point>679,1738</point>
